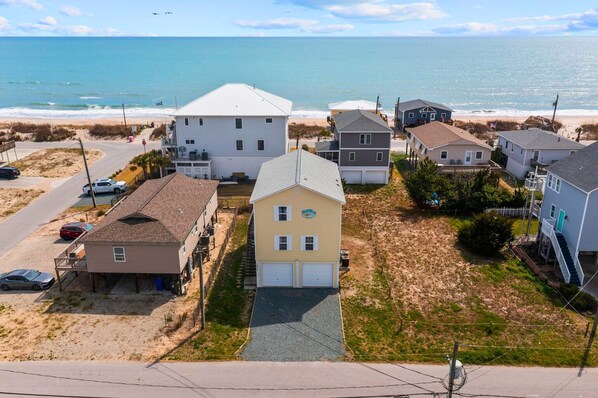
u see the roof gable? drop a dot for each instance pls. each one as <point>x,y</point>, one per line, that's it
<point>237,99</point>
<point>359,121</point>
<point>579,169</point>
<point>419,103</point>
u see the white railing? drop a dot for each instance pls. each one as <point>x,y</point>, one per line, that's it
<point>509,211</point>
<point>578,268</point>
<point>548,230</point>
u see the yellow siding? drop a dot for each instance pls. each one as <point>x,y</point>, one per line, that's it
<point>326,226</point>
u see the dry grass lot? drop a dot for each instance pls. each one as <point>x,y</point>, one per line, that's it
<point>55,162</point>
<point>14,199</point>
<point>412,290</point>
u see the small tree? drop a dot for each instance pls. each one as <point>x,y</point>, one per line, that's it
<point>324,133</point>
<point>142,161</point>
<point>487,233</point>
<point>425,181</point>
<point>305,147</point>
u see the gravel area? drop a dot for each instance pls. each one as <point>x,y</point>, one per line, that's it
<point>295,325</point>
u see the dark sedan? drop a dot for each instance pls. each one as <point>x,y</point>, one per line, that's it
<point>26,279</point>
<point>9,172</point>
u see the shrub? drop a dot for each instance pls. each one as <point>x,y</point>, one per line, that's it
<point>479,130</point>
<point>305,147</point>
<point>105,131</point>
<point>303,130</point>
<point>423,183</point>
<point>487,233</point>
<point>158,132</point>
<point>506,125</point>
<point>583,302</point>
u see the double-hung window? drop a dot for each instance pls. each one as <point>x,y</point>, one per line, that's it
<point>239,123</point>
<point>282,213</point>
<point>189,142</point>
<point>119,254</point>
<point>186,121</point>
<point>411,115</point>
<point>552,210</point>
<point>309,243</point>
<point>479,155</point>
<point>201,121</point>
<point>379,156</point>
<point>365,139</point>
<point>536,155</point>
<point>283,243</point>
<point>351,156</point>
<point>443,154</point>
<point>260,145</point>
<point>239,145</point>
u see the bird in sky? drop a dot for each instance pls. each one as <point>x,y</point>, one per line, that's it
<point>156,13</point>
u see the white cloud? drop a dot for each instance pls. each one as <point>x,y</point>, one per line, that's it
<point>277,23</point>
<point>72,11</point>
<point>51,21</point>
<point>74,30</point>
<point>33,4</point>
<point>4,25</point>
<point>330,28</point>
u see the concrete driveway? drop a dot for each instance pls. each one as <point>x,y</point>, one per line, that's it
<point>295,325</point>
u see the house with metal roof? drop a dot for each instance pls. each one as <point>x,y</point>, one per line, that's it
<point>523,151</point>
<point>155,230</point>
<point>451,148</point>
<point>229,131</point>
<point>295,226</point>
<point>417,112</point>
<point>360,148</point>
<point>569,216</point>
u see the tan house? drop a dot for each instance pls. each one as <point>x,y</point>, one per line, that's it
<point>154,230</point>
<point>447,146</point>
<point>296,220</point>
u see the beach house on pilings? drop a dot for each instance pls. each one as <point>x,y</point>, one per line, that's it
<point>569,216</point>
<point>417,112</point>
<point>228,132</point>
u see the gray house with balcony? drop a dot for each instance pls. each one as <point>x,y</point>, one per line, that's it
<point>524,150</point>
<point>569,216</point>
<point>361,147</point>
<point>417,112</point>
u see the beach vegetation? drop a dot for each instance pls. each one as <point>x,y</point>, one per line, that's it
<point>109,131</point>
<point>479,130</point>
<point>158,132</point>
<point>590,131</point>
<point>486,234</point>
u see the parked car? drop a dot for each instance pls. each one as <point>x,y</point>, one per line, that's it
<point>26,279</point>
<point>9,172</point>
<point>73,230</point>
<point>106,185</point>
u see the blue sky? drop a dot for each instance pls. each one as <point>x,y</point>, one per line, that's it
<point>297,18</point>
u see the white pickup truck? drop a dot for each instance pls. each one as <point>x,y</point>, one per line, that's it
<point>106,185</point>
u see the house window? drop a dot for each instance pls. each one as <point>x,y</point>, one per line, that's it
<point>201,121</point>
<point>572,152</point>
<point>260,145</point>
<point>351,156</point>
<point>268,120</point>
<point>239,123</point>
<point>443,154</point>
<point>188,142</point>
<point>557,185</point>
<point>424,115</point>
<point>479,155</point>
<point>309,243</point>
<point>411,115</point>
<point>194,230</point>
<point>365,139</point>
<point>552,210</point>
<point>239,145</point>
<point>282,242</point>
<point>184,249</point>
<point>521,151</point>
<point>282,213</point>
<point>549,182</point>
<point>506,144</point>
<point>379,156</point>
<point>186,121</point>
<point>119,254</point>
<point>512,147</point>
<point>536,155</point>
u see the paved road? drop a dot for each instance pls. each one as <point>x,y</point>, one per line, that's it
<point>270,379</point>
<point>44,209</point>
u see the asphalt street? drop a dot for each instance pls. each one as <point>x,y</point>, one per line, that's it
<point>289,379</point>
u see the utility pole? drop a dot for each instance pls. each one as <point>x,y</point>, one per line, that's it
<point>125,118</point>
<point>452,371</point>
<point>554,104</point>
<point>377,103</point>
<point>93,195</point>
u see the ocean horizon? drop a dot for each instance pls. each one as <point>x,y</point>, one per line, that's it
<point>92,77</point>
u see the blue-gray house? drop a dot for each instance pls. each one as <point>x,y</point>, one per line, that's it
<point>417,112</point>
<point>569,215</point>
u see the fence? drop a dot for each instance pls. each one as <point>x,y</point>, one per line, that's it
<point>510,211</point>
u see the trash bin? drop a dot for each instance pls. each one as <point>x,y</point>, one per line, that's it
<point>159,283</point>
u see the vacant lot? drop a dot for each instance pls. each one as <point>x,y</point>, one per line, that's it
<point>412,290</point>
<point>14,199</point>
<point>56,162</point>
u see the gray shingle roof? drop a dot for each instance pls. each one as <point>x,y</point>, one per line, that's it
<point>539,139</point>
<point>419,103</point>
<point>327,146</point>
<point>298,168</point>
<point>359,120</point>
<point>160,211</point>
<point>580,168</point>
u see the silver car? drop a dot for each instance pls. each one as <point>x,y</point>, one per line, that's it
<point>26,279</point>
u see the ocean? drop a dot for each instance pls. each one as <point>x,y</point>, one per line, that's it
<point>92,77</point>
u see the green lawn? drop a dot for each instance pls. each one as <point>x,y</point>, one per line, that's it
<point>227,312</point>
<point>457,222</point>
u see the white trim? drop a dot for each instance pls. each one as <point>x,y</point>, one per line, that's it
<point>583,221</point>
<point>476,155</point>
<point>302,187</point>
<point>381,156</point>
<point>124,255</point>
<point>443,158</point>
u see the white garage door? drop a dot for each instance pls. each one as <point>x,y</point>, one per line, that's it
<point>352,177</point>
<point>277,274</point>
<point>375,177</point>
<point>318,275</point>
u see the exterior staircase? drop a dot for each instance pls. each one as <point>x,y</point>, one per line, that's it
<point>249,265</point>
<point>570,263</point>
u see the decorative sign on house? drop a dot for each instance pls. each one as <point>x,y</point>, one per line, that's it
<point>308,213</point>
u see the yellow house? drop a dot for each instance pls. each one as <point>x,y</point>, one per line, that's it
<point>297,211</point>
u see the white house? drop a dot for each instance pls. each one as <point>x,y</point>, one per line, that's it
<point>233,129</point>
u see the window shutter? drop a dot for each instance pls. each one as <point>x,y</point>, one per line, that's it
<point>302,243</point>
<point>289,213</point>
<point>289,242</point>
<point>276,213</point>
<point>315,243</point>
<point>276,242</point>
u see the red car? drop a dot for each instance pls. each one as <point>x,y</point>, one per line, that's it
<point>73,230</point>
